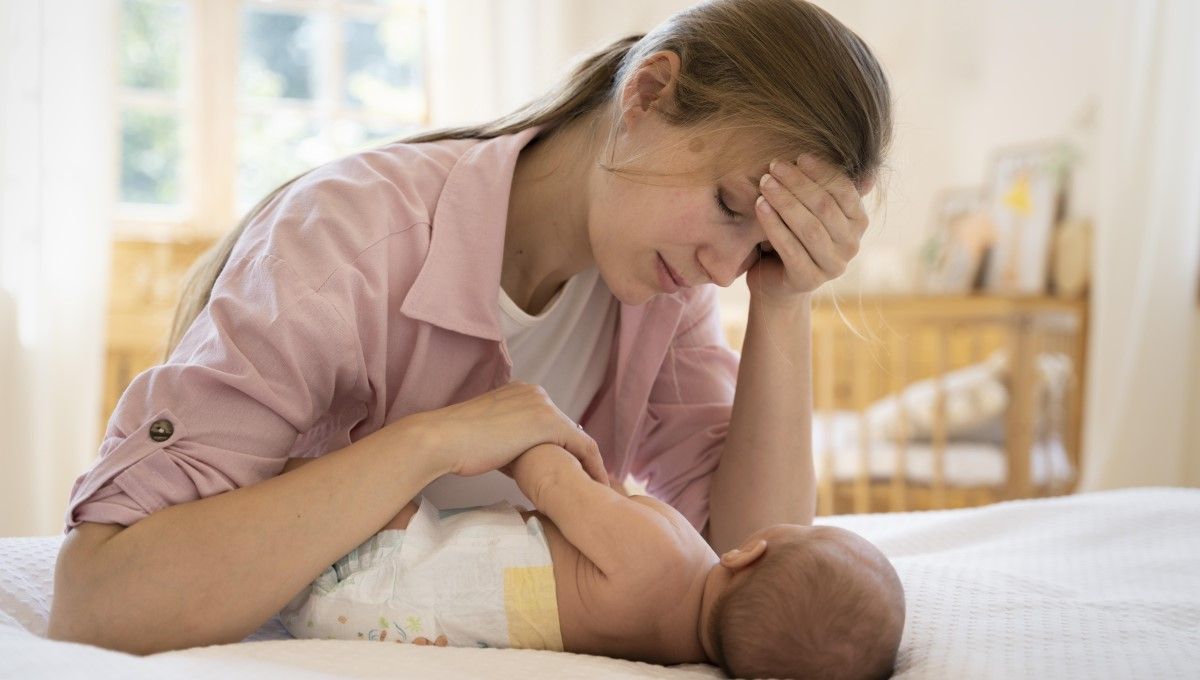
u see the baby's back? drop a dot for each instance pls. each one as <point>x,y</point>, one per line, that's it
<point>631,615</point>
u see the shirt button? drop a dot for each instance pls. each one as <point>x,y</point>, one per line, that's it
<point>161,430</point>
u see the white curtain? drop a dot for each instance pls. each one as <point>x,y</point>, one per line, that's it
<point>57,185</point>
<point>1139,400</point>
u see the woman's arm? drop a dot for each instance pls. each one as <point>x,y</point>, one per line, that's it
<point>813,215</point>
<point>766,471</point>
<point>213,570</point>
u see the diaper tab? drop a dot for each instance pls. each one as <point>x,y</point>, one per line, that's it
<point>531,605</point>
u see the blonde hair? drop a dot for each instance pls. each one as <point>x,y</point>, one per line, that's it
<point>785,70</point>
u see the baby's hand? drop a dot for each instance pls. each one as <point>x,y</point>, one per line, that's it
<point>533,466</point>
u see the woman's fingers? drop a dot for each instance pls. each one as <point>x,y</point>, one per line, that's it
<point>797,261</point>
<point>491,430</point>
<point>575,439</point>
<point>592,459</point>
<point>803,227</point>
<point>581,445</point>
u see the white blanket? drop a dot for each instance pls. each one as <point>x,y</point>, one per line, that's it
<point>1086,586</point>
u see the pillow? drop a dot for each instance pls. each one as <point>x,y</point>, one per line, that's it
<point>976,396</point>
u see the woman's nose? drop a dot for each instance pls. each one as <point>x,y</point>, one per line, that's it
<point>733,263</point>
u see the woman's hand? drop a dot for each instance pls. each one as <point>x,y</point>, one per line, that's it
<point>489,431</point>
<point>814,218</point>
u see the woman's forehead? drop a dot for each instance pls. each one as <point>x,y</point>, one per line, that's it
<point>737,153</point>
<point>701,155</point>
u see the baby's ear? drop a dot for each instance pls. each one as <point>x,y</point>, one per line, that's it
<point>744,556</point>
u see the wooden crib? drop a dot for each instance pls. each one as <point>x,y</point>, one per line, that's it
<point>879,351</point>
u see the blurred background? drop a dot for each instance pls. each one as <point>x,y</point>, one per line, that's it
<point>1022,320</point>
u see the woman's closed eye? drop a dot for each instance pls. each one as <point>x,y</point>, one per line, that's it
<point>763,248</point>
<point>724,208</point>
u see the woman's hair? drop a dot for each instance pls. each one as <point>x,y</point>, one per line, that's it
<point>785,70</point>
<point>807,609</point>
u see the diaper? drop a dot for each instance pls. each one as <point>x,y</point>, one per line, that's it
<point>480,576</point>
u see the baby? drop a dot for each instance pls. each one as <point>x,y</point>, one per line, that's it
<point>621,576</point>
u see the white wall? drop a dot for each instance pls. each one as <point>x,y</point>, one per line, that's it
<point>1192,474</point>
<point>969,77</point>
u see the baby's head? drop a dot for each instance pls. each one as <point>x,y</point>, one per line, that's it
<point>805,602</point>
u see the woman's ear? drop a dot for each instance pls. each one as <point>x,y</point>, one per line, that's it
<point>740,558</point>
<point>652,84</point>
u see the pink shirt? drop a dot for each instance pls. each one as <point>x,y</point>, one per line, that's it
<point>365,292</point>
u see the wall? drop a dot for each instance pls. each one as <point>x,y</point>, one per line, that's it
<point>1192,474</point>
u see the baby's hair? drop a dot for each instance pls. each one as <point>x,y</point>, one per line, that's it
<point>810,609</point>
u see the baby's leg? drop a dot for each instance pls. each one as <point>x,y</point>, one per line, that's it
<point>400,521</point>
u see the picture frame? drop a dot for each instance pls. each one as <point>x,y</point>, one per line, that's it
<point>1026,197</point>
<point>952,256</point>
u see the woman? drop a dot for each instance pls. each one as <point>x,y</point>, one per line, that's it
<point>352,317</point>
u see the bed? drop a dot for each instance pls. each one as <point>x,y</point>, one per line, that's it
<point>1090,585</point>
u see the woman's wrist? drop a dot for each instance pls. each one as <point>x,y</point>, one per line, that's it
<point>792,303</point>
<point>414,446</point>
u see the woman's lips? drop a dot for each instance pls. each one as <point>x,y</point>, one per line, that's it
<point>665,278</point>
<point>675,276</point>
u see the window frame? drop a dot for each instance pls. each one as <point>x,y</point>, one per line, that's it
<point>209,105</point>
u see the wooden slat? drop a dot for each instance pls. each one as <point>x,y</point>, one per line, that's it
<point>901,364</point>
<point>1020,422</point>
<point>939,416</point>
<point>862,480</point>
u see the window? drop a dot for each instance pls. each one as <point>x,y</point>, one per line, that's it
<point>152,46</point>
<point>223,100</point>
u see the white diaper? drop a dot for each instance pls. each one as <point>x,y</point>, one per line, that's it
<point>480,576</point>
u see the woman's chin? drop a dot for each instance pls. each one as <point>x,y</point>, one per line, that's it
<point>643,296</point>
<point>633,297</point>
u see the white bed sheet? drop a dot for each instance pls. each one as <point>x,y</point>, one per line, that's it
<point>1086,586</point>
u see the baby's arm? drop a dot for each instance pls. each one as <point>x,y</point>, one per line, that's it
<point>613,531</point>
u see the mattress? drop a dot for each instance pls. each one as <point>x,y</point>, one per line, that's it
<point>1091,585</point>
<point>965,463</point>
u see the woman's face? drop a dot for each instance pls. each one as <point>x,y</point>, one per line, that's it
<point>632,222</point>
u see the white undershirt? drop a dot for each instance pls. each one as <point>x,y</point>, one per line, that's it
<point>565,349</point>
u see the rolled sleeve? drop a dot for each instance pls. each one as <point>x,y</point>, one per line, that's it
<point>689,410</point>
<point>261,364</point>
